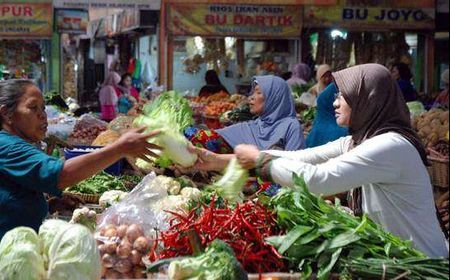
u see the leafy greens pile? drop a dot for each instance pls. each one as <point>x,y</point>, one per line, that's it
<point>170,113</point>
<point>322,238</point>
<point>102,182</point>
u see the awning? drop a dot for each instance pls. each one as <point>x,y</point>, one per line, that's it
<point>112,4</point>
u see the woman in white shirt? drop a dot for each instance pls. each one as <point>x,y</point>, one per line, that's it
<point>382,155</point>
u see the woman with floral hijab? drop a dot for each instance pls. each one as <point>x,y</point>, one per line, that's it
<point>382,154</point>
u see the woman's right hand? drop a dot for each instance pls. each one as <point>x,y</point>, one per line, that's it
<point>134,144</point>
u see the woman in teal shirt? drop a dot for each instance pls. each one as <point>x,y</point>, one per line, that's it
<point>26,173</point>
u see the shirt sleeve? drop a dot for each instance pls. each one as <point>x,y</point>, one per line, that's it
<point>315,155</point>
<point>32,169</point>
<point>373,162</point>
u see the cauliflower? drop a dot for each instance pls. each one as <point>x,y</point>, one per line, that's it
<point>171,203</point>
<point>191,193</point>
<point>109,198</point>
<point>172,186</point>
<point>85,217</point>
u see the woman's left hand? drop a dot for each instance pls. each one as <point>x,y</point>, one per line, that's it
<point>247,155</point>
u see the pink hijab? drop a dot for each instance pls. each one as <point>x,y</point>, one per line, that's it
<point>108,94</point>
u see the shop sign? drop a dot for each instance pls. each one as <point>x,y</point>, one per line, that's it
<point>72,21</point>
<point>235,20</point>
<point>362,18</point>
<point>259,2</point>
<point>113,4</point>
<point>26,20</point>
<point>128,20</point>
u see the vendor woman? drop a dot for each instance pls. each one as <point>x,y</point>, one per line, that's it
<point>276,126</point>
<point>382,154</point>
<point>26,173</point>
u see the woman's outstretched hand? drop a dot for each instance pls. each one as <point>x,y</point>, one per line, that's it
<point>247,155</point>
<point>134,144</point>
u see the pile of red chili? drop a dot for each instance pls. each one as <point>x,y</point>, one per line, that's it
<point>243,227</point>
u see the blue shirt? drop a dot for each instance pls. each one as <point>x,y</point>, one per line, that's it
<point>25,174</point>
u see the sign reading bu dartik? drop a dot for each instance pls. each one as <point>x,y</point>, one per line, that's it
<point>234,20</point>
<point>19,19</point>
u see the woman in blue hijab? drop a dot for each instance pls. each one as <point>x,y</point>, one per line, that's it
<point>275,128</point>
<point>325,128</point>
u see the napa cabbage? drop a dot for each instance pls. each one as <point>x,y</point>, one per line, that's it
<point>170,113</point>
<point>231,184</point>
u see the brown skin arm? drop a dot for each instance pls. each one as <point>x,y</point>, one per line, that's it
<point>133,143</point>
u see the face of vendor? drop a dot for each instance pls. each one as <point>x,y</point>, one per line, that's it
<point>257,101</point>
<point>29,121</point>
<point>342,111</point>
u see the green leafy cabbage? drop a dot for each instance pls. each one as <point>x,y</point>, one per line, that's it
<point>20,255</point>
<point>61,251</point>
<point>170,113</point>
<point>72,253</point>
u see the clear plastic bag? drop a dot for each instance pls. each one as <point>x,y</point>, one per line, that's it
<point>126,230</point>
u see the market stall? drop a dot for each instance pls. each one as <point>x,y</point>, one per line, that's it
<point>355,32</point>
<point>237,39</point>
<point>25,40</point>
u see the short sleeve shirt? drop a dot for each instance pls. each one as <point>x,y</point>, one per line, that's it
<point>25,174</point>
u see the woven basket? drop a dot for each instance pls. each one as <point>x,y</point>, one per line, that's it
<point>88,198</point>
<point>438,171</point>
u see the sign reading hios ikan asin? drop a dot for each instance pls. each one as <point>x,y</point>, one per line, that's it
<point>235,20</point>
<point>26,20</point>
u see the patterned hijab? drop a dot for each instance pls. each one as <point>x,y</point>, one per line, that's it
<point>274,124</point>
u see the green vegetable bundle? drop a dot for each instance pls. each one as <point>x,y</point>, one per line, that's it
<point>170,113</point>
<point>322,238</point>
<point>410,268</point>
<point>102,182</point>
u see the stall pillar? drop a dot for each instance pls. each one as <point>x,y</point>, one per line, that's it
<point>429,63</point>
<point>55,58</point>
<point>163,52</point>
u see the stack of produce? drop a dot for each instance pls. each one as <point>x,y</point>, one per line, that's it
<point>322,239</point>
<point>61,251</point>
<point>170,114</point>
<point>121,249</point>
<point>238,114</point>
<point>243,228</point>
<point>216,108</point>
<point>215,105</point>
<point>432,127</point>
<point>102,182</point>
<point>86,130</point>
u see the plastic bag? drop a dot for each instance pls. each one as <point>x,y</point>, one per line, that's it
<point>88,120</point>
<point>125,230</point>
